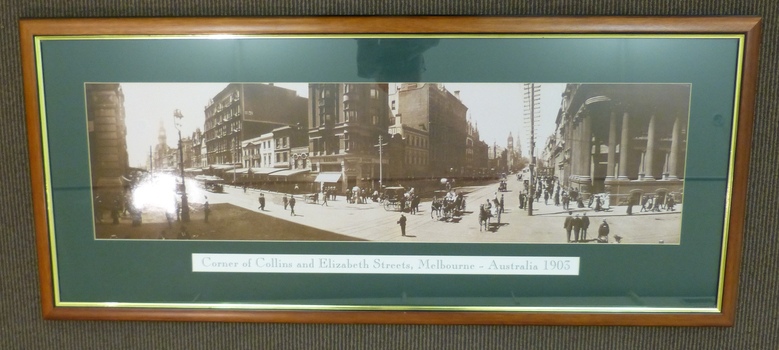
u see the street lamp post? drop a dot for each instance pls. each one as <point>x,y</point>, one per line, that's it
<point>177,116</point>
<point>381,160</point>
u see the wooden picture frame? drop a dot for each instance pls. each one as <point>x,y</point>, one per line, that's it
<point>86,276</point>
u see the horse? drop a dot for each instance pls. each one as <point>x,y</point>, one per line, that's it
<point>484,218</point>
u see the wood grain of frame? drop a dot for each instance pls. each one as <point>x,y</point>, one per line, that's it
<point>750,27</point>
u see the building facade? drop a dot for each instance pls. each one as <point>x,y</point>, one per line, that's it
<point>244,111</point>
<point>627,140</point>
<point>439,112</point>
<point>412,159</point>
<point>344,125</point>
<point>107,137</point>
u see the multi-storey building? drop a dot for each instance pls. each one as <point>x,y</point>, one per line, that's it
<point>431,107</point>
<point>345,122</point>
<point>413,161</point>
<point>244,111</point>
<point>624,139</point>
<point>475,152</point>
<point>198,149</point>
<point>107,136</point>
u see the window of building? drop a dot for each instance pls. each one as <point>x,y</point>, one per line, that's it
<point>374,93</point>
<point>375,119</point>
<point>393,105</point>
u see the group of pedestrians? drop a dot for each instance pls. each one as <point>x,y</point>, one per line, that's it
<point>579,226</point>
<point>285,202</point>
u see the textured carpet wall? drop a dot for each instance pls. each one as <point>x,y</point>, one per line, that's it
<point>21,326</point>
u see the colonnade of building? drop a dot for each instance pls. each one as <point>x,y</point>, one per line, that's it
<point>623,140</point>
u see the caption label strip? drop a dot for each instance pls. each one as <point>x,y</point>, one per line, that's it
<point>386,264</point>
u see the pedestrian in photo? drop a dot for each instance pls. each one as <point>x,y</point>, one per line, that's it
<point>546,197</point>
<point>568,225</point>
<point>206,211</point>
<point>414,204</point>
<point>585,225</point>
<point>285,201</point>
<point>501,204</point>
<point>598,204</point>
<point>577,227</point>
<point>324,199</point>
<point>262,201</point>
<point>630,206</point>
<point>291,205</point>
<point>402,223</point>
<point>603,232</point>
<point>116,208</point>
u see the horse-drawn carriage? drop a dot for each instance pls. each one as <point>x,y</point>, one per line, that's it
<point>447,205</point>
<point>502,186</point>
<point>394,198</point>
<point>312,198</point>
<point>210,183</point>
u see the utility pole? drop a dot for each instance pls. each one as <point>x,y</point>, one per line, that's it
<point>532,111</point>
<point>177,116</point>
<point>381,159</point>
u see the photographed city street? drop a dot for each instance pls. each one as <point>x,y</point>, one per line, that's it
<point>411,162</point>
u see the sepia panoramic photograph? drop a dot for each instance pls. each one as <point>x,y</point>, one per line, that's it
<point>550,163</point>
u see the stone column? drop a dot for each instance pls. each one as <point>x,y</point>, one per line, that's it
<point>650,149</point>
<point>586,137</point>
<point>612,146</point>
<point>574,146</point>
<point>673,158</point>
<point>624,146</point>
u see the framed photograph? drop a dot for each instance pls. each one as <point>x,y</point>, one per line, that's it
<point>457,170</point>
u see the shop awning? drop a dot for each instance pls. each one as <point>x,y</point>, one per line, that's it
<point>193,171</point>
<point>223,166</point>
<point>265,171</point>
<point>238,171</point>
<point>289,172</point>
<point>328,177</point>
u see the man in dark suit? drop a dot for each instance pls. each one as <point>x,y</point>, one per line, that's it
<point>568,225</point>
<point>585,225</point>
<point>577,226</point>
<point>402,223</point>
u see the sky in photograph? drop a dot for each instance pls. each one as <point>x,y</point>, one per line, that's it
<point>497,109</point>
